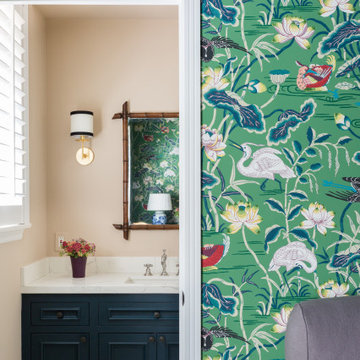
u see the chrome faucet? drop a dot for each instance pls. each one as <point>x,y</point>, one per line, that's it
<point>148,269</point>
<point>163,263</point>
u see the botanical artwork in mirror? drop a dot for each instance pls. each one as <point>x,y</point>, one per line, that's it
<point>153,165</point>
<point>150,166</point>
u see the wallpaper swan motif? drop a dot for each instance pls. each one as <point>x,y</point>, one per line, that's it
<point>280,166</point>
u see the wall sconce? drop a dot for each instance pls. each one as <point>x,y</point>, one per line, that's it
<point>82,130</point>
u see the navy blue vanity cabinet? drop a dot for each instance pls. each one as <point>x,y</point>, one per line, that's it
<point>100,327</point>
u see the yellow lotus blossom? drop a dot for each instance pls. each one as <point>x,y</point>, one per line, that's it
<point>281,319</point>
<point>213,79</point>
<point>330,6</point>
<point>242,214</point>
<point>331,289</point>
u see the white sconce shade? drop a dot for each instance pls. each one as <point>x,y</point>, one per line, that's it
<point>159,202</point>
<point>82,123</point>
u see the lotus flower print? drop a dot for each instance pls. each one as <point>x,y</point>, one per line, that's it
<point>331,289</point>
<point>342,121</point>
<point>212,143</point>
<point>330,6</point>
<point>293,28</point>
<point>281,319</point>
<point>256,87</point>
<point>242,214</point>
<point>213,79</point>
<point>318,217</point>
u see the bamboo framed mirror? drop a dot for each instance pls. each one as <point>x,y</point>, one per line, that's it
<point>150,166</point>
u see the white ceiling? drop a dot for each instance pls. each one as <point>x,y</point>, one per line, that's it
<point>109,11</point>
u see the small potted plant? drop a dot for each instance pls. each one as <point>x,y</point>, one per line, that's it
<point>78,250</point>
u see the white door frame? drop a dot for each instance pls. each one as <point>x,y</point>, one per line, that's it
<point>190,180</point>
<point>190,163</point>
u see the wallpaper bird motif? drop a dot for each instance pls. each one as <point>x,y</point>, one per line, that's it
<point>280,166</point>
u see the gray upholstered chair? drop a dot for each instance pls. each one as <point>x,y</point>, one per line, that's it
<point>324,329</point>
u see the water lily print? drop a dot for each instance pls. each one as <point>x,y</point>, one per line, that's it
<point>242,214</point>
<point>212,142</point>
<point>280,163</point>
<point>256,87</point>
<point>281,318</point>
<point>331,289</point>
<point>294,28</point>
<point>330,6</point>
<point>318,217</point>
<point>213,79</point>
<point>342,121</point>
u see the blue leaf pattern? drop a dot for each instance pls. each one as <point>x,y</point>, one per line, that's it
<point>212,298</point>
<point>248,117</point>
<point>343,34</point>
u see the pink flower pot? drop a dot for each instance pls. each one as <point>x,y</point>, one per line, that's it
<point>78,266</point>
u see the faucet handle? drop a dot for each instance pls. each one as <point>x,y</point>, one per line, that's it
<point>148,269</point>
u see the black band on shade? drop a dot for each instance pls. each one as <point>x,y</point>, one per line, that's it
<point>84,133</point>
<point>81,112</point>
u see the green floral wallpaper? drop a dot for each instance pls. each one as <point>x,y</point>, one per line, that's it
<point>154,153</point>
<point>280,170</point>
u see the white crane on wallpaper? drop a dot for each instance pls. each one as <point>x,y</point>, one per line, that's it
<point>265,164</point>
<point>293,255</point>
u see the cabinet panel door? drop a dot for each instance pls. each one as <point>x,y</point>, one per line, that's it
<point>127,346</point>
<point>168,346</point>
<point>60,347</point>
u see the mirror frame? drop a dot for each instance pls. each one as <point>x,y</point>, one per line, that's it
<point>125,115</point>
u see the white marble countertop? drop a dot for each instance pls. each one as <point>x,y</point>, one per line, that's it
<point>107,275</point>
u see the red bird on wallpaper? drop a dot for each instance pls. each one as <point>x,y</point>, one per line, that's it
<point>212,254</point>
<point>315,77</point>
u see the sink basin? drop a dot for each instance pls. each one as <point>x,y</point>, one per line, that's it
<point>153,280</point>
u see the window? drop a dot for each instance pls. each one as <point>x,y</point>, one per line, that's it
<point>14,195</point>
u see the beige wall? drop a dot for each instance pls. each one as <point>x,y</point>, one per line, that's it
<point>33,246</point>
<point>97,64</point>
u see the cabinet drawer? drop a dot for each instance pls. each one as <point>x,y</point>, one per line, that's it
<point>59,313</point>
<point>114,313</point>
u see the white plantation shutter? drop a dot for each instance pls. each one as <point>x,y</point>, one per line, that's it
<point>13,120</point>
